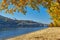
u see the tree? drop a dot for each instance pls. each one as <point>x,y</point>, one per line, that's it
<point>53,7</point>
<point>54,12</point>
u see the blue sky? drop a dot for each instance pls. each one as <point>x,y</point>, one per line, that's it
<point>33,15</point>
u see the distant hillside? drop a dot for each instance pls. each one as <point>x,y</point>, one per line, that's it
<point>10,23</point>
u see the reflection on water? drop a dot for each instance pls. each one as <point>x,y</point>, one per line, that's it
<point>17,31</point>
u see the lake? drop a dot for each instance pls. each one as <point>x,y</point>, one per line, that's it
<point>18,31</point>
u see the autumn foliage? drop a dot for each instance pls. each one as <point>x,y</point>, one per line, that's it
<point>53,7</point>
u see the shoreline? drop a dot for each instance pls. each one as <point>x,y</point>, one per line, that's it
<point>51,33</point>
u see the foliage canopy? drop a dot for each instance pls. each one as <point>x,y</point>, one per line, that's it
<point>53,7</point>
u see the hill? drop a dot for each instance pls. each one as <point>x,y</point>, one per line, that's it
<point>10,23</point>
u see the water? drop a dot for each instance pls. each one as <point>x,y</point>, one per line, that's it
<point>18,31</point>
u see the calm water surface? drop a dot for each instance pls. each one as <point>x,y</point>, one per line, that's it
<point>17,31</point>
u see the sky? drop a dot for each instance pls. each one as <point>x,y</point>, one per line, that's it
<point>31,14</point>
